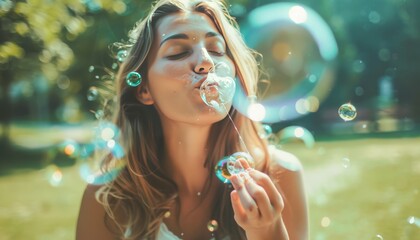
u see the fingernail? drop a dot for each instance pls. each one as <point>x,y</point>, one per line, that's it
<point>234,197</point>
<point>236,181</point>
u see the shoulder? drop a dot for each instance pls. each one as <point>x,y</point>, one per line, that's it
<point>90,222</point>
<point>283,161</point>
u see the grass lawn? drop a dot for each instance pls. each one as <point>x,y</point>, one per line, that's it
<point>357,189</point>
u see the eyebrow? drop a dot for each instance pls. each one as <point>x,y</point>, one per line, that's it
<point>185,36</point>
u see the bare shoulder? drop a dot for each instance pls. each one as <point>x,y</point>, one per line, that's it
<point>286,171</point>
<point>90,223</point>
<point>283,161</point>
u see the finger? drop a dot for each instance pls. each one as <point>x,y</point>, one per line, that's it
<point>260,196</point>
<point>238,209</point>
<point>247,201</point>
<point>244,163</point>
<point>272,192</point>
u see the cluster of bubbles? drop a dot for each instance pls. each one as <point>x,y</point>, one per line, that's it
<point>219,87</point>
<point>212,225</point>
<point>105,143</point>
<point>231,165</point>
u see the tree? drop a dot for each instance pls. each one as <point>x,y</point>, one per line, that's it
<point>35,36</point>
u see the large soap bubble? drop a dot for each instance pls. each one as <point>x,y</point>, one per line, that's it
<point>219,87</point>
<point>298,49</point>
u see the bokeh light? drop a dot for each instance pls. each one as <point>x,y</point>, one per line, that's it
<point>54,175</point>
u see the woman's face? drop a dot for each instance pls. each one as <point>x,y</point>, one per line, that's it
<point>185,48</point>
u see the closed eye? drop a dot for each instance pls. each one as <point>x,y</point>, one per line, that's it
<point>218,53</point>
<point>177,56</point>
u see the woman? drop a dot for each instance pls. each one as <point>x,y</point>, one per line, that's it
<point>173,141</point>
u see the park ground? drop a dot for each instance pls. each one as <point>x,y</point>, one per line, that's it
<point>357,189</point>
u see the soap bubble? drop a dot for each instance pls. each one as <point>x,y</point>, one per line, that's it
<point>299,51</point>
<point>231,165</point>
<point>105,146</point>
<point>92,93</point>
<point>414,221</point>
<point>54,175</point>
<point>346,162</point>
<point>212,225</point>
<point>347,112</point>
<point>90,168</point>
<point>122,55</point>
<point>222,171</point>
<point>379,236</point>
<point>293,133</point>
<point>265,131</point>
<point>218,88</point>
<point>133,79</point>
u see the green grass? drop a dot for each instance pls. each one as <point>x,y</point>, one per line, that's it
<point>31,208</point>
<point>372,194</point>
<point>369,197</point>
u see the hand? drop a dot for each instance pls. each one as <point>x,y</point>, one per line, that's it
<point>257,204</point>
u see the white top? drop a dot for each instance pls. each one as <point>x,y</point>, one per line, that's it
<point>166,234</point>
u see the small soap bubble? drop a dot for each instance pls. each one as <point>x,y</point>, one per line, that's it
<point>99,114</point>
<point>91,69</point>
<point>325,222</point>
<point>90,168</point>
<point>346,162</point>
<point>414,221</point>
<point>222,171</point>
<point>347,112</point>
<point>378,236</point>
<point>266,131</point>
<point>92,173</point>
<point>122,55</point>
<point>133,79</point>
<point>92,93</point>
<point>54,175</point>
<point>212,225</point>
<point>167,214</point>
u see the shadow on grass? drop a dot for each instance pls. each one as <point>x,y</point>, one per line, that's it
<point>15,159</point>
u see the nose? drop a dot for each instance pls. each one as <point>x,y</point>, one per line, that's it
<point>204,62</point>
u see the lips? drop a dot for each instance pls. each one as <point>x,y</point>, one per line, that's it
<point>209,83</point>
<point>198,84</point>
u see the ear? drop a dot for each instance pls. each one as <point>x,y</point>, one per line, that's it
<point>143,95</point>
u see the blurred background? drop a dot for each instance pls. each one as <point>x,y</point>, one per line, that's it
<point>340,91</point>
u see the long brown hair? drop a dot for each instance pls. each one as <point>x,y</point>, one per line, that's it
<point>136,201</point>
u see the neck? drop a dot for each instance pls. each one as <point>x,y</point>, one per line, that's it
<point>185,154</point>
